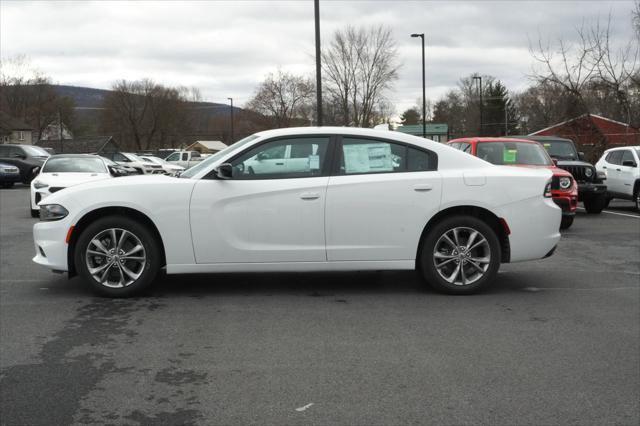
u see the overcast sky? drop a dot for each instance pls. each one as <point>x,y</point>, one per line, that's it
<point>225,48</point>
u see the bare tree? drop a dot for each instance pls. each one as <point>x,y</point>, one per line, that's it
<point>27,94</point>
<point>145,115</point>
<point>283,98</point>
<point>359,65</point>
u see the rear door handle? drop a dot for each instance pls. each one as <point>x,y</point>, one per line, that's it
<point>423,187</point>
<point>619,170</point>
<point>279,164</point>
<point>310,195</point>
<point>604,167</point>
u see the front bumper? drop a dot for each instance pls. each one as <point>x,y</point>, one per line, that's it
<point>589,189</point>
<point>50,244</point>
<point>568,202</point>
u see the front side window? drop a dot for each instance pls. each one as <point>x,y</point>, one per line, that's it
<point>627,156</point>
<point>118,157</point>
<point>361,155</point>
<point>294,157</point>
<point>614,157</point>
<point>562,150</point>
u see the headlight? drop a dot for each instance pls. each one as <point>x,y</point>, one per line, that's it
<point>52,212</point>
<point>565,182</point>
<point>588,172</point>
<point>38,185</point>
<point>547,190</point>
<point>601,175</point>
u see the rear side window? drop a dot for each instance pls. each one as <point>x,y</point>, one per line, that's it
<point>367,156</point>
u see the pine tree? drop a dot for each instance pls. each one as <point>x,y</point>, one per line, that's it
<point>495,102</point>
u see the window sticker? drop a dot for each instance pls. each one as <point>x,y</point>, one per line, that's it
<point>509,155</point>
<point>369,157</point>
<point>314,162</point>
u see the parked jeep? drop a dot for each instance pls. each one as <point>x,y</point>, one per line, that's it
<point>27,158</point>
<point>592,190</point>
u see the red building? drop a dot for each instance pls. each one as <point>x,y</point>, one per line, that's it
<point>593,134</point>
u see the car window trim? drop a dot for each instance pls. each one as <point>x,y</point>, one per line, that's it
<point>339,153</point>
<point>327,166</point>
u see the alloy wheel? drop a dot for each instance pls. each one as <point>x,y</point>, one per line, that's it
<point>462,256</point>
<point>115,257</point>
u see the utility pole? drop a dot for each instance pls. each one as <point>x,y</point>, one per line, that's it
<point>477,77</point>
<point>316,12</point>
<point>424,101</point>
<point>506,118</point>
<point>231,139</point>
<point>60,131</point>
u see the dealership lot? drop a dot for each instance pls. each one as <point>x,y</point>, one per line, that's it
<point>553,341</point>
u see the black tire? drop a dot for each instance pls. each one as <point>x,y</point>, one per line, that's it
<point>147,272</point>
<point>427,260</point>
<point>636,198</point>
<point>7,185</point>
<point>35,212</point>
<point>594,205</point>
<point>566,222</point>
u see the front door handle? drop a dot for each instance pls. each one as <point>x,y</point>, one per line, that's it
<point>423,187</point>
<point>604,167</point>
<point>619,170</point>
<point>310,195</point>
<point>279,164</point>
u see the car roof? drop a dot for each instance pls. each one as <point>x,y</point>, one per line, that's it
<point>622,147</point>
<point>491,139</point>
<point>76,156</point>
<point>546,138</point>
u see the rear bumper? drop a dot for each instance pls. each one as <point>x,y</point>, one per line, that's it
<point>534,225</point>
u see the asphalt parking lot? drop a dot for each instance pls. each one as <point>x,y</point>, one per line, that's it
<point>555,341</point>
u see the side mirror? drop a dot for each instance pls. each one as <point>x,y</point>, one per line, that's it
<point>555,161</point>
<point>629,163</point>
<point>225,171</point>
<point>581,155</point>
<point>113,171</point>
<point>18,155</point>
<point>262,156</point>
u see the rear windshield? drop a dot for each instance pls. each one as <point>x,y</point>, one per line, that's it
<point>513,153</point>
<point>562,150</point>
<point>74,165</point>
<point>35,151</point>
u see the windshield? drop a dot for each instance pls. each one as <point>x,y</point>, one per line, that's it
<point>152,160</point>
<point>134,157</point>
<point>513,153</point>
<point>74,165</point>
<point>36,151</point>
<point>562,150</point>
<point>215,157</point>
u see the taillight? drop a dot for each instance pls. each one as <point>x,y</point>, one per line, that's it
<point>547,189</point>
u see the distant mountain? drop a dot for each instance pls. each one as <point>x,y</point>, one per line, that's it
<point>209,119</point>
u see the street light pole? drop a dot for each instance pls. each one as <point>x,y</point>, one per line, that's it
<point>231,139</point>
<point>477,77</point>
<point>424,100</point>
<point>316,13</point>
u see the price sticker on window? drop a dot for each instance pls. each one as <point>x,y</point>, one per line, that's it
<point>509,155</point>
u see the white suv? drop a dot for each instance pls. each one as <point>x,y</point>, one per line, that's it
<point>622,167</point>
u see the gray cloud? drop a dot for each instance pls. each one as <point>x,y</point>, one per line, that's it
<point>225,48</point>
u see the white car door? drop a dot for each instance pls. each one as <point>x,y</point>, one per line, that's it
<point>612,163</point>
<point>380,201</point>
<point>627,173</point>
<point>263,215</point>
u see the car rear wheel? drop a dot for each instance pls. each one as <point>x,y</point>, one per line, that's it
<point>637,200</point>
<point>117,256</point>
<point>35,212</point>
<point>460,255</point>
<point>566,222</point>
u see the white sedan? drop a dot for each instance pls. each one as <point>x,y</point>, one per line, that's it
<point>361,200</point>
<point>65,170</point>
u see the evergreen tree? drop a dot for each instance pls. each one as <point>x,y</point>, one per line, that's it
<point>410,116</point>
<point>497,122</point>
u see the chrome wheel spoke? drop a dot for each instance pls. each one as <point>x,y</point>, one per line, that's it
<point>461,256</point>
<point>112,257</point>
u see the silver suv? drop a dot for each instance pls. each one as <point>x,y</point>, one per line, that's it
<point>622,166</point>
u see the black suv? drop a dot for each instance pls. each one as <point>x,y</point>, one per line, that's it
<point>27,158</point>
<point>591,189</point>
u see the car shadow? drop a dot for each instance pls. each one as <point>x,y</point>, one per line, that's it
<point>316,284</point>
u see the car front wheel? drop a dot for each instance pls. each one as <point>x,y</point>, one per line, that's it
<point>117,256</point>
<point>594,205</point>
<point>566,222</point>
<point>460,255</point>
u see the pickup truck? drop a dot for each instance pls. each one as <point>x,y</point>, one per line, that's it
<point>184,159</point>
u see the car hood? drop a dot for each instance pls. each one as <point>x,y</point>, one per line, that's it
<point>119,188</point>
<point>573,163</point>
<point>69,179</point>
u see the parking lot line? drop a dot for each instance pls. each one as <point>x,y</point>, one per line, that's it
<point>619,214</point>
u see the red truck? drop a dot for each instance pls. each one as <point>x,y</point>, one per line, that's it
<point>526,153</point>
